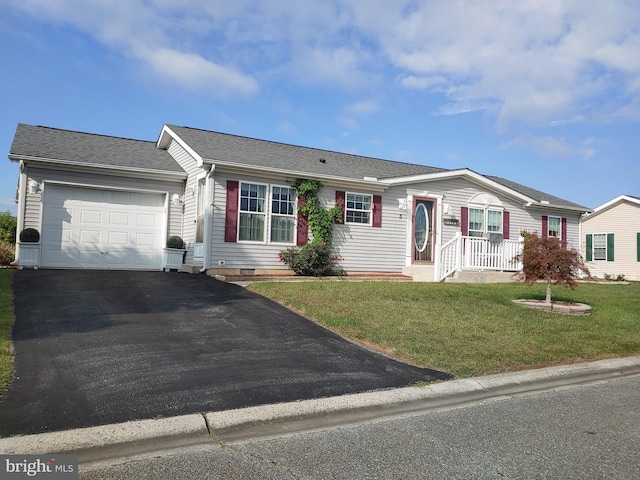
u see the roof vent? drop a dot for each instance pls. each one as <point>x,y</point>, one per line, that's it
<point>322,160</point>
<point>370,179</point>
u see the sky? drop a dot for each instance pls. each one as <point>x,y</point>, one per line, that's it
<point>544,93</point>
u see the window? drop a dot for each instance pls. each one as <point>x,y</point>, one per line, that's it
<point>599,246</point>
<point>555,227</point>
<point>358,208</point>
<point>255,218</point>
<point>476,222</point>
<point>479,217</point>
<point>253,199</point>
<point>282,219</point>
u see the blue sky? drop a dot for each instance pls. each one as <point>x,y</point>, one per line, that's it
<point>542,93</point>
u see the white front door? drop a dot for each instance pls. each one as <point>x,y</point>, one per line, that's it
<point>102,229</point>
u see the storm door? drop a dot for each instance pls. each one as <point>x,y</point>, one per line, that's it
<point>423,229</point>
<point>198,250</point>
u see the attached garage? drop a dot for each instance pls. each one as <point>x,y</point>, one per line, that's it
<point>102,229</point>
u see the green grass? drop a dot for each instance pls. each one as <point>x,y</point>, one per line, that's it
<point>6,322</point>
<point>468,329</point>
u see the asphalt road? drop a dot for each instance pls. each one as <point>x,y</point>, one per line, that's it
<point>102,347</point>
<point>584,432</point>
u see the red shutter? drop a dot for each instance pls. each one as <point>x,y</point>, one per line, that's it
<point>231,216</point>
<point>302,230</point>
<point>505,225</point>
<point>464,221</point>
<point>564,232</point>
<point>340,201</point>
<point>377,211</point>
<point>545,226</point>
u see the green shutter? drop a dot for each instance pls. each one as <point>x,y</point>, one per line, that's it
<point>638,246</point>
<point>610,256</point>
<point>589,248</point>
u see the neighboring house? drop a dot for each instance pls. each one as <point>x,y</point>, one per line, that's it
<point>611,238</point>
<point>102,202</point>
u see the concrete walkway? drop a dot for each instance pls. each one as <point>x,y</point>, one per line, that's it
<point>131,438</point>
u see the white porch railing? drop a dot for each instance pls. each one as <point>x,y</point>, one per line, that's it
<point>474,253</point>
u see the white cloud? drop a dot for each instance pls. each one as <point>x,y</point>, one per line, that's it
<point>553,146</point>
<point>526,62</point>
<point>351,113</point>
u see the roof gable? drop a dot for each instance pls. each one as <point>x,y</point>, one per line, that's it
<point>614,203</point>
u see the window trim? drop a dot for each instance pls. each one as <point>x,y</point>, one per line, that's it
<point>593,247</point>
<point>346,209</point>
<point>293,215</point>
<point>265,213</point>
<point>485,219</point>
<point>268,215</point>
<point>559,235</point>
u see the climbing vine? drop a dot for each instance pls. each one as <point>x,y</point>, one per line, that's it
<point>320,220</point>
<point>316,258</point>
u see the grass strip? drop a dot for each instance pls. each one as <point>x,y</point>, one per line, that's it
<point>6,323</point>
<point>470,329</point>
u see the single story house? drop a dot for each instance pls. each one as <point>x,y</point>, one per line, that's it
<point>611,238</point>
<point>103,202</point>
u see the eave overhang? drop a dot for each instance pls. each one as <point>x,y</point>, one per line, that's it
<point>95,168</point>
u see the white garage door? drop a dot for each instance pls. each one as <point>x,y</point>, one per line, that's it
<point>102,229</point>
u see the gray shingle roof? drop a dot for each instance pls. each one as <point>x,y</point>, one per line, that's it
<point>536,194</point>
<point>90,149</point>
<point>222,147</point>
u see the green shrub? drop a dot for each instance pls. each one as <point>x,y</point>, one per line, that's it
<point>175,242</point>
<point>313,259</point>
<point>7,253</point>
<point>29,235</point>
<point>8,224</point>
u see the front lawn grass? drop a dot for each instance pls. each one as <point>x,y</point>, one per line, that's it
<point>6,323</point>
<point>470,329</point>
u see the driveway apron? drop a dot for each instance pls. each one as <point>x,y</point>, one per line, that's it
<point>101,347</point>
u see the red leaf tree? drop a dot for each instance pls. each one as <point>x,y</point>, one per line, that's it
<point>546,259</point>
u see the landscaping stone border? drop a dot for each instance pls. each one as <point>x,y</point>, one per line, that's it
<point>558,307</point>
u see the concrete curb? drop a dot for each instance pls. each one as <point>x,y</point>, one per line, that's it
<point>148,435</point>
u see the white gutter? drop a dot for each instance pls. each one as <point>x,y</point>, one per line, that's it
<point>209,191</point>
<point>95,166</point>
<point>22,192</point>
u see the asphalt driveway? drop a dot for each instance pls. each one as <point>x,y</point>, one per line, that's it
<point>100,347</point>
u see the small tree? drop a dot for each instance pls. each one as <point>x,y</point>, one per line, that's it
<point>546,259</point>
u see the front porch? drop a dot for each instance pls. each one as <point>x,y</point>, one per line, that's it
<point>486,256</point>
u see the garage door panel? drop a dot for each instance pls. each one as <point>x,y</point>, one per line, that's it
<point>146,239</point>
<point>119,218</point>
<point>91,228</point>
<point>118,239</point>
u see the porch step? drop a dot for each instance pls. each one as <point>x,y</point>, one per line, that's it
<point>190,267</point>
<point>481,276</point>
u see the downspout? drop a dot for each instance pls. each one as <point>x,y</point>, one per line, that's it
<point>22,192</point>
<point>206,264</point>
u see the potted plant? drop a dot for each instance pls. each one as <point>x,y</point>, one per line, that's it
<point>173,254</point>
<point>29,248</point>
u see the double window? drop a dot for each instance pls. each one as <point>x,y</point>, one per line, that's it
<point>264,208</point>
<point>484,220</point>
<point>358,208</point>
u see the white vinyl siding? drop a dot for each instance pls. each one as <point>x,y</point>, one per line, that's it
<point>188,227</point>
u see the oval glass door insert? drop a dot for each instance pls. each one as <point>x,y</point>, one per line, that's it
<point>421,227</point>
